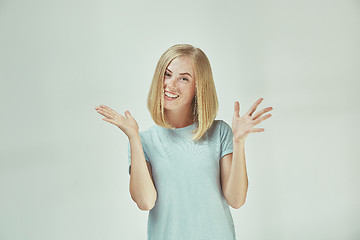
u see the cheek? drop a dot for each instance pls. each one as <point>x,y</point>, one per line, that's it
<point>189,95</point>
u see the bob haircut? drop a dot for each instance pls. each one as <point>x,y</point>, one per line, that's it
<point>204,106</point>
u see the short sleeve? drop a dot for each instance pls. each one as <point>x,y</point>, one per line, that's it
<point>226,139</point>
<point>129,156</point>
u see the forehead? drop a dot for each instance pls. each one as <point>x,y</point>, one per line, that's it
<point>181,64</point>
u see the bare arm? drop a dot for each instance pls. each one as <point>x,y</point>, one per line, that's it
<point>142,188</point>
<point>234,178</point>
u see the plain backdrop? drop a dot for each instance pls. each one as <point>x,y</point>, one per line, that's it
<point>64,171</point>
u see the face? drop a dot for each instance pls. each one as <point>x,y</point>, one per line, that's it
<point>179,80</point>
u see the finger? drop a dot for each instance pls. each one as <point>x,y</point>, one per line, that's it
<point>103,106</point>
<point>108,111</point>
<point>257,130</point>
<point>109,120</point>
<point>254,106</point>
<point>236,109</point>
<point>261,112</point>
<point>128,114</point>
<point>105,113</point>
<point>111,113</point>
<point>262,118</point>
<point>106,107</point>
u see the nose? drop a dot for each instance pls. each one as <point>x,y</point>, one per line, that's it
<point>170,83</point>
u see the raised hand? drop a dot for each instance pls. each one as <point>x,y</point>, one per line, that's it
<point>127,124</point>
<point>242,126</point>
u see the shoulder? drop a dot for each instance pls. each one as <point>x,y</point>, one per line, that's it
<point>218,128</point>
<point>221,124</point>
<point>224,128</point>
<point>147,134</point>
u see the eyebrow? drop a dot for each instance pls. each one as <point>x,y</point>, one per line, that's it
<point>180,73</point>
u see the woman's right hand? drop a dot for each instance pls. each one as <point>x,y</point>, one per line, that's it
<point>127,124</point>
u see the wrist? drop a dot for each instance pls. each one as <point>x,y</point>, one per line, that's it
<point>134,136</point>
<point>239,140</point>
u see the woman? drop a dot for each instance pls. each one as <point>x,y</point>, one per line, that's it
<point>188,168</point>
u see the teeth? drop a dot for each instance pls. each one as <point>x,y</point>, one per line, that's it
<point>171,95</point>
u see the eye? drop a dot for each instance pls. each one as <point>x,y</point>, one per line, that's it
<point>185,79</point>
<point>166,74</point>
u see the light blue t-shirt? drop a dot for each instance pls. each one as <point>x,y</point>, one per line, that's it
<point>190,204</point>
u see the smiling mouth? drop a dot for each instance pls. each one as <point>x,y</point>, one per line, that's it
<point>169,95</point>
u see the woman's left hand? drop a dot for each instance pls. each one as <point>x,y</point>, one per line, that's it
<point>242,126</point>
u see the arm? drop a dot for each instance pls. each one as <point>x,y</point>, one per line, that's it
<point>234,175</point>
<point>142,188</point>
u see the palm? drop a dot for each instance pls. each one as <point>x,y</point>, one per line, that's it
<point>242,126</point>
<point>127,124</point>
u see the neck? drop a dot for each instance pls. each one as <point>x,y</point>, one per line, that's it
<point>178,119</point>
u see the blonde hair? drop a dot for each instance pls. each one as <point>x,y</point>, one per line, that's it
<point>205,103</point>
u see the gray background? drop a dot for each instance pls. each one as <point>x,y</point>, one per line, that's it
<point>64,171</point>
